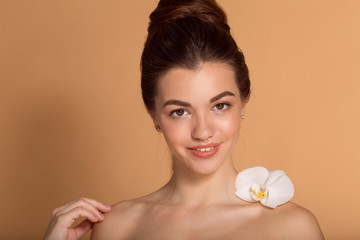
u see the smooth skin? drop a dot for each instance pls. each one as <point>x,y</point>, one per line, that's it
<point>199,202</point>
<point>60,226</point>
<point>194,108</point>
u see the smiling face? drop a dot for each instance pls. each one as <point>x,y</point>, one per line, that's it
<point>199,113</point>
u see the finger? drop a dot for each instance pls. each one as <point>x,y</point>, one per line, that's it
<point>67,207</point>
<point>82,202</point>
<point>66,220</point>
<point>99,205</point>
<point>83,227</point>
<point>58,209</point>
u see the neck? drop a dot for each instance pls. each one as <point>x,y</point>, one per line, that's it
<point>192,189</point>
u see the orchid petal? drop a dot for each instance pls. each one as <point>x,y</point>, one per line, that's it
<point>274,175</point>
<point>280,191</point>
<point>252,175</point>
<point>246,178</point>
<point>244,194</point>
<point>270,188</point>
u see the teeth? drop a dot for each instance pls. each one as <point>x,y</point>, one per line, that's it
<point>204,149</point>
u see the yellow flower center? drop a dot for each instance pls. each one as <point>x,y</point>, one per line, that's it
<point>258,191</point>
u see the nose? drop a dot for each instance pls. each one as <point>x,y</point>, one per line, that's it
<point>202,127</point>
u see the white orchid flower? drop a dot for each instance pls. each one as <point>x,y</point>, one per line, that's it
<point>258,184</point>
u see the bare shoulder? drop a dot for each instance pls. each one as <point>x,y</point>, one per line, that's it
<point>120,222</point>
<point>292,221</point>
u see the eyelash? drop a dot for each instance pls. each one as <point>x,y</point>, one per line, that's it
<point>225,107</point>
<point>175,115</point>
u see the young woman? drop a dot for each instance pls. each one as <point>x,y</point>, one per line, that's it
<point>195,86</point>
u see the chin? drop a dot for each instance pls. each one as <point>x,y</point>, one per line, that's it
<point>202,165</point>
<point>205,166</point>
<point>204,170</point>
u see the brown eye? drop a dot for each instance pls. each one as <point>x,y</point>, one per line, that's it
<point>220,106</point>
<point>179,112</point>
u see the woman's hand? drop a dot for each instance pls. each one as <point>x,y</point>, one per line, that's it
<point>63,218</point>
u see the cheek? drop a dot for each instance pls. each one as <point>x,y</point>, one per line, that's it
<point>175,133</point>
<point>230,126</point>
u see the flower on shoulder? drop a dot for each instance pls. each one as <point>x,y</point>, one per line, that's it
<point>271,188</point>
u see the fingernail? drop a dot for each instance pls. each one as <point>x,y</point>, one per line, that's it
<point>106,206</point>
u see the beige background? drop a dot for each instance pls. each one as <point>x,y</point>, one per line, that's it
<point>73,123</point>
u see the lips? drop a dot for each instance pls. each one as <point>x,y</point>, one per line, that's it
<point>204,151</point>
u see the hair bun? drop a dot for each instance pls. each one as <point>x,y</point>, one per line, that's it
<point>168,11</point>
<point>186,34</point>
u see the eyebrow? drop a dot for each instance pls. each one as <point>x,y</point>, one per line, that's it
<point>221,95</point>
<point>177,103</point>
<point>186,104</point>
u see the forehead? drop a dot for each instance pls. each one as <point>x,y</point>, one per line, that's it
<point>205,82</point>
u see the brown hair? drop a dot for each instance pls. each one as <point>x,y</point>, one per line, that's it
<point>185,33</point>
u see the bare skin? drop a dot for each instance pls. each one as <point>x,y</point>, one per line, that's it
<point>198,111</point>
<point>199,202</point>
<point>151,218</point>
<point>62,219</point>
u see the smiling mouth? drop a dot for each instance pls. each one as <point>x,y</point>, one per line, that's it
<point>205,151</point>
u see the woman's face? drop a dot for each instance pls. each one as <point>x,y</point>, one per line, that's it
<point>199,113</point>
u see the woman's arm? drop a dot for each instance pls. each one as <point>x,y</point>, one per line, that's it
<point>60,226</point>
